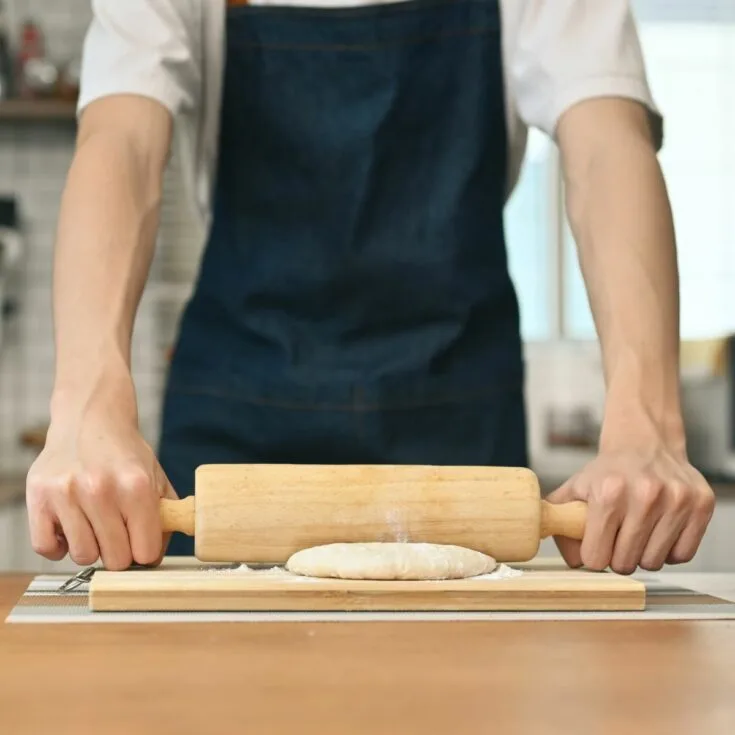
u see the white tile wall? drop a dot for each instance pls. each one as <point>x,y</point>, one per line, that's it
<point>34,159</point>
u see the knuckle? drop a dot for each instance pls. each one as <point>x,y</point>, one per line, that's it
<point>40,488</point>
<point>136,481</point>
<point>96,485</point>
<point>64,490</point>
<point>35,486</point>
<point>705,503</point>
<point>648,491</point>
<point>679,495</point>
<point>611,490</point>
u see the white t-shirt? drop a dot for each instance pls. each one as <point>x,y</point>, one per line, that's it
<point>556,53</point>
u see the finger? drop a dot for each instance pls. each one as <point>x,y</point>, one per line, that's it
<point>99,501</point>
<point>644,511</point>
<point>631,540</point>
<point>687,544</point>
<point>691,536</point>
<point>604,517</point>
<point>142,516</point>
<point>171,494</point>
<point>663,538</point>
<point>570,549</point>
<point>79,536</point>
<point>564,493</point>
<point>46,539</point>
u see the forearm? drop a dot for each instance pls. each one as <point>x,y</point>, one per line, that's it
<point>105,243</point>
<point>622,223</point>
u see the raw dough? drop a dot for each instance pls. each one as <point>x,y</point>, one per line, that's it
<point>390,561</point>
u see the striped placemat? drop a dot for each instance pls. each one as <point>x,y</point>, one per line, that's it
<point>42,603</point>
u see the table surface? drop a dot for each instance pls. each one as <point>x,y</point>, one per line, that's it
<point>366,677</point>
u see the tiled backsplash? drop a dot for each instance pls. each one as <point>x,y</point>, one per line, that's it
<point>34,159</point>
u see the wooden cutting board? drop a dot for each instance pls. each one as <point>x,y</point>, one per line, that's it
<point>187,584</point>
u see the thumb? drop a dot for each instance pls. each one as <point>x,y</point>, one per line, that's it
<point>570,549</point>
<point>563,494</point>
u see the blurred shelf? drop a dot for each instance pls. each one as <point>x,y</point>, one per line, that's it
<point>12,489</point>
<point>34,438</point>
<point>51,110</point>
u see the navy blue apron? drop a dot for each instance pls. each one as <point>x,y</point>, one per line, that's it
<point>354,303</point>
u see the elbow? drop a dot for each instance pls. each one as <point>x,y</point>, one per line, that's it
<point>112,162</point>
<point>128,130</point>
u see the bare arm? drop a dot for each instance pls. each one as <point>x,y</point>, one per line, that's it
<point>647,504</point>
<point>621,218</point>
<point>106,237</point>
<point>94,490</point>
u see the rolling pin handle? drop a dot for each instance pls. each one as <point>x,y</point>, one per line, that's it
<point>178,515</point>
<point>565,519</point>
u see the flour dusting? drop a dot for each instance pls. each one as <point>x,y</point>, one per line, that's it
<point>502,571</point>
<point>394,520</point>
<point>272,572</point>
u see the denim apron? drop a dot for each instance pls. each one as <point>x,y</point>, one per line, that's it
<point>353,303</point>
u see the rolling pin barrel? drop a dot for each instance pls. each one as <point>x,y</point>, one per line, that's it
<point>265,513</point>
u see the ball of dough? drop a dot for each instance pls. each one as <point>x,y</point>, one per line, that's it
<point>388,561</point>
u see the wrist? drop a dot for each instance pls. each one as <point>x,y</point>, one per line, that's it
<point>643,404</point>
<point>106,387</point>
<point>637,426</point>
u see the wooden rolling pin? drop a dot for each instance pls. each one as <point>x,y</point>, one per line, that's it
<point>266,512</point>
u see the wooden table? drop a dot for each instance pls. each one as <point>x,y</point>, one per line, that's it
<point>373,677</point>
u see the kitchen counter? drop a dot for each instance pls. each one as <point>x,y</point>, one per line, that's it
<point>606,677</point>
<point>717,584</point>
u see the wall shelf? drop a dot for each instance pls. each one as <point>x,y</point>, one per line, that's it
<point>45,110</point>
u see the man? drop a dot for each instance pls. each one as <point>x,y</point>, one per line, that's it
<point>351,165</point>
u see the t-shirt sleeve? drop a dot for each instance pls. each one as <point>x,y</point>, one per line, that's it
<point>567,51</point>
<point>144,47</point>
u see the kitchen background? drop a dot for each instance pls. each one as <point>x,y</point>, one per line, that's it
<point>690,52</point>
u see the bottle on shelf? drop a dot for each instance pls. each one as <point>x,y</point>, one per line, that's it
<point>6,62</point>
<point>30,52</point>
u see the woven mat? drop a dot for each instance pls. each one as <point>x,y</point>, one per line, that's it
<point>42,603</point>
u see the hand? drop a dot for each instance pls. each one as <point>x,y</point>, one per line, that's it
<point>94,492</point>
<point>645,508</point>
